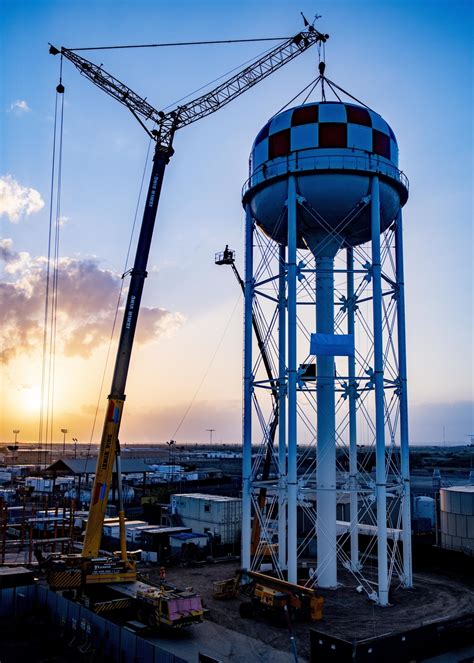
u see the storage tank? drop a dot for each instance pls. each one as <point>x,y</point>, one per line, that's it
<point>457,518</point>
<point>424,507</point>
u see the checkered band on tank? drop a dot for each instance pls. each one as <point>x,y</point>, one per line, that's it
<point>325,125</point>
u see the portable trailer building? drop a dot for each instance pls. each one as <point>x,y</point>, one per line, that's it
<point>134,534</point>
<point>112,530</point>
<point>157,539</point>
<point>221,516</point>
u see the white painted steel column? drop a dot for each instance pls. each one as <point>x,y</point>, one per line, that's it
<point>404,436</point>
<point>292,477</point>
<point>282,408</point>
<point>380,479</point>
<point>326,429</point>
<point>354,502</point>
<point>248,391</point>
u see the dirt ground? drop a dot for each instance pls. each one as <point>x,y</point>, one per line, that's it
<point>346,613</point>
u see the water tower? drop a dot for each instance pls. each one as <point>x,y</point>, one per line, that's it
<point>324,276</point>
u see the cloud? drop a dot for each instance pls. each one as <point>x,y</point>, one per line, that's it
<point>87,299</point>
<point>17,200</point>
<point>19,107</point>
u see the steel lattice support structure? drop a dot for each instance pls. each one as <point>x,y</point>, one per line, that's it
<point>325,505</point>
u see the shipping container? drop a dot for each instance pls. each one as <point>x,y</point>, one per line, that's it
<point>215,514</point>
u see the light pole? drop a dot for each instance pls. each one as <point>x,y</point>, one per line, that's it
<point>64,431</point>
<point>14,448</point>
<point>170,444</point>
<point>75,440</point>
<point>210,431</point>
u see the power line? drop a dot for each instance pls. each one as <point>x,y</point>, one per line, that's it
<point>179,43</point>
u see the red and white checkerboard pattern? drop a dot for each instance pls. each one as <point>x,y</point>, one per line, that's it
<point>325,125</point>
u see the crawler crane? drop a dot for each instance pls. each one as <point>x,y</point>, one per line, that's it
<point>85,571</point>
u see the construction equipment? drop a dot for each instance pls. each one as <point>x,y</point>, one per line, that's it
<point>226,589</point>
<point>90,568</point>
<point>276,595</point>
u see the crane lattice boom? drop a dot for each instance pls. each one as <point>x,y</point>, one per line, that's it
<point>167,123</point>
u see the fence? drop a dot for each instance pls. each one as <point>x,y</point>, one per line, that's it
<point>82,628</point>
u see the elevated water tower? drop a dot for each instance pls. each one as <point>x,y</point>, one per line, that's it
<point>324,274</point>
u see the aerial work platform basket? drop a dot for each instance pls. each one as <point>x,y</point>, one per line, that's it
<point>225,257</point>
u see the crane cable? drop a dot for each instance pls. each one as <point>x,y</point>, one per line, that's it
<point>209,366</point>
<point>238,67</point>
<point>51,281</point>
<point>119,301</point>
<point>179,43</point>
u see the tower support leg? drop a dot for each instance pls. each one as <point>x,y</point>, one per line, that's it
<point>326,429</point>
<point>282,408</point>
<point>248,390</point>
<point>292,479</point>
<point>380,471</point>
<point>354,502</point>
<point>404,438</point>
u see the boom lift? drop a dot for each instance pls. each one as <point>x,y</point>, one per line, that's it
<point>227,257</point>
<point>267,592</point>
<point>89,568</point>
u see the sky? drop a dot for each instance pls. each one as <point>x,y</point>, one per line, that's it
<point>409,60</point>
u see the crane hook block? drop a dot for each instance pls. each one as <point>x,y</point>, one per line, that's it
<point>60,88</point>
<point>322,68</point>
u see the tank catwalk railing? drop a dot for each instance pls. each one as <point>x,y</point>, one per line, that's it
<point>281,166</point>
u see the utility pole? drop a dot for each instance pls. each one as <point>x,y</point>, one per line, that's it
<point>210,431</point>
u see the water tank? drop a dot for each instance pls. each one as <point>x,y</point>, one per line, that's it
<point>424,507</point>
<point>457,518</point>
<point>332,149</point>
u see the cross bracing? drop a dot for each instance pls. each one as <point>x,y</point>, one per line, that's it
<point>358,388</point>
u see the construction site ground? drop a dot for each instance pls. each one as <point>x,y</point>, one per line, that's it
<point>347,614</point>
